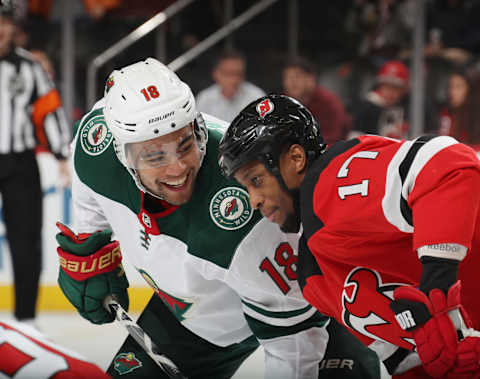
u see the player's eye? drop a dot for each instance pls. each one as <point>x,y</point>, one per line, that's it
<point>256,181</point>
<point>154,158</point>
<point>185,148</point>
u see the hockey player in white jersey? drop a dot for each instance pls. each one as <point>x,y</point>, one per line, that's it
<point>145,167</point>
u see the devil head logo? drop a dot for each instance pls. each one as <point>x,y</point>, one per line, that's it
<point>264,107</point>
<point>366,310</point>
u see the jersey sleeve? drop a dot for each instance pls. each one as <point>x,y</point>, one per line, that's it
<point>88,216</point>
<point>292,332</point>
<point>438,176</point>
<point>51,127</point>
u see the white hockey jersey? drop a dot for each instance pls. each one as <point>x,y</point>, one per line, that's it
<point>221,269</point>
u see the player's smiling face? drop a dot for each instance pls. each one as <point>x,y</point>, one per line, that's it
<point>168,165</point>
<point>267,195</point>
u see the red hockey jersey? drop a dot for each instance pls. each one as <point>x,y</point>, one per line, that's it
<point>25,353</point>
<point>367,205</point>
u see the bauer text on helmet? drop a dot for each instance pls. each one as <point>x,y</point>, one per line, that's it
<point>146,100</point>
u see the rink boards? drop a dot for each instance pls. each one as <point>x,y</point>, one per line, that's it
<point>57,207</point>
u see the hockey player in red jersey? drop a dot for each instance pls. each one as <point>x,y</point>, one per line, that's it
<point>391,231</point>
<point>26,353</point>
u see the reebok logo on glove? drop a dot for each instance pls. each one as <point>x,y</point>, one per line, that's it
<point>405,320</point>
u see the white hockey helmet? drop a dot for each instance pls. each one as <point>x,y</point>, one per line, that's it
<point>147,100</point>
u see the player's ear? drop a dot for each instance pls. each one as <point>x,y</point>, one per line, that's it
<point>298,158</point>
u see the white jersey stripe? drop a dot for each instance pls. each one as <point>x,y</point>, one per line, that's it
<point>6,73</point>
<point>424,155</point>
<point>394,190</point>
<point>22,83</point>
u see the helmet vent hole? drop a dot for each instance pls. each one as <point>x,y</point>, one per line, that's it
<point>185,105</point>
<point>124,98</point>
<point>173,124</point>
<point>155,131</point>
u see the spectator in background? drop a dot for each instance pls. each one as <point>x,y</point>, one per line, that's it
<point>384,110</point>
<point>31,117</point>
<point>231,92</point>
<point>299,79</point>
<point>460,117</point>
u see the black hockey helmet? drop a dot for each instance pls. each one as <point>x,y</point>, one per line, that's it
<point>263,129</point>
<point>6,8</point>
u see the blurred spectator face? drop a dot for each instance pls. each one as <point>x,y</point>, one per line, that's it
<point>46,64</point>
<point>393,81</point>
<point>298,84</point>
<point>391,93</point>
<point>457,90</point>
<point>7,27</point>
<point>229,75</point>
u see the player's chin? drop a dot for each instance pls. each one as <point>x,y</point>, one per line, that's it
<point>290,224</point>
<point>177,196</point>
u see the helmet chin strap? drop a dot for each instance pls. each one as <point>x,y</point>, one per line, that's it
<point>140,185</point>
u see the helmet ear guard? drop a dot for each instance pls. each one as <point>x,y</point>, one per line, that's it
<point>263,129</point>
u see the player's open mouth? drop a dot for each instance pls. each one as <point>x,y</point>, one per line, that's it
<point>177,184</point>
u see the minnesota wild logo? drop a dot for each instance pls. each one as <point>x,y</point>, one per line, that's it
<point>95,137</point>
<point>176,305</point>
<point>230,208</point>
<point>126,362</point>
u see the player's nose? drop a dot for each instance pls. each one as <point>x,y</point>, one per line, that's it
<point>256,199</point>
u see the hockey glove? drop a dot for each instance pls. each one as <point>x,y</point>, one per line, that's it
<point>467,363</point>
<point>433,330</point>
<point>90,270</point>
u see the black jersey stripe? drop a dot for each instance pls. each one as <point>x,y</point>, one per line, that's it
<point>311,222</point>
<point>23,82</point>
<point>403,170</point>
<point>392,362</point>
<point>307,266</point>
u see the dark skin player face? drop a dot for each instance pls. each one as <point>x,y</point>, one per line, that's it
<point>266,193</point>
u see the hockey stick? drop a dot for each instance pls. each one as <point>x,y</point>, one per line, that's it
<point>142,338</point>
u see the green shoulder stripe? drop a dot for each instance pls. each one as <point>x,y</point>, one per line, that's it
<point>96,163</point>
<point>265,331</point>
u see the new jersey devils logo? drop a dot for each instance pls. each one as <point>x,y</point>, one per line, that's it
<point>264,107</point>
<point>366,310</point>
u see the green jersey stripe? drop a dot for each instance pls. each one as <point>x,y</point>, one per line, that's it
<point>266,331</point>
<point>285,314</point>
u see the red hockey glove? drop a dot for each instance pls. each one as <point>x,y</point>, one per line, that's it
<point>433,330</point>
<point>467,363</point>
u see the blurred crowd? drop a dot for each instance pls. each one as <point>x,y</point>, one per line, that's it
<point>352,70</point>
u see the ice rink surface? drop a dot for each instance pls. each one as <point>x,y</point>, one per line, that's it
<point>99,343</point>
